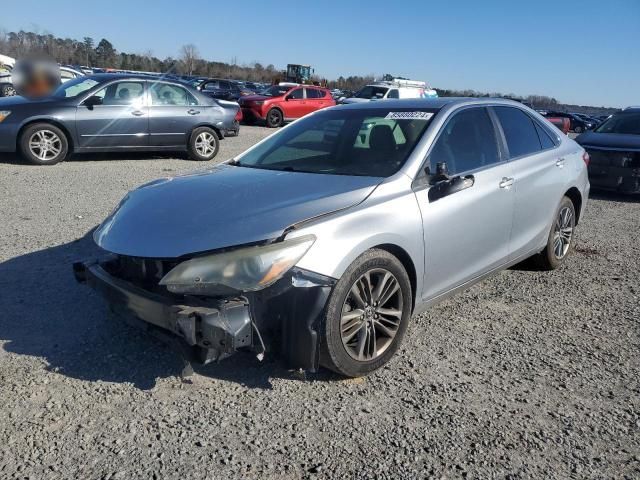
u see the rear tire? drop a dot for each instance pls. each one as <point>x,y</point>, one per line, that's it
<point>274,118</point>
<point>367,315</point>
<point>578,129</point>
<point>43,144</point>
<point>560,240</point>
<point>203,144</point>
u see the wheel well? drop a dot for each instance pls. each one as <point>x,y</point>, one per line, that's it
<point>215,129</point>
<point>407,263</point>
<point>576,198</point>
<point>51,122</point>
<point>276,108</point>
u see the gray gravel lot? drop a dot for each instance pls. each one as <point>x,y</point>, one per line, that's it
<point>527,375</point>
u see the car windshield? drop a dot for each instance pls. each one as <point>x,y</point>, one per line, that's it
<point>362,142</point>
<point>370,92</point>
<point>74,87</point>
<point>275,91</point>
<point>624,123</point>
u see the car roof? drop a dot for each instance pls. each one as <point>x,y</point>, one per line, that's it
<point>429,103</point>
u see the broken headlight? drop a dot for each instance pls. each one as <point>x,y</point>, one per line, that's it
<point>244,269</point>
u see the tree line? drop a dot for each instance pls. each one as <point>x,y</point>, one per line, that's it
<point>103,54</point>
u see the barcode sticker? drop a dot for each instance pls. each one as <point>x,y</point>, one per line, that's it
<point>409,116</point>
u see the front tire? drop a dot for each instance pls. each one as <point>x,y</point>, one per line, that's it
<point>43,144</point>
<point>578,129</point>
<point>367,315</point>
<point>7,91</point>
<point>560,240</point>
<point>203,144</point>
<point>274,118</point>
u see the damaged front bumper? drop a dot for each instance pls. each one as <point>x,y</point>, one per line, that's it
<point>284,318</point>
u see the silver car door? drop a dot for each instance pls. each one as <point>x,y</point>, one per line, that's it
<point>466,233</point>
<point>173,114</point>
<point>540,178</point>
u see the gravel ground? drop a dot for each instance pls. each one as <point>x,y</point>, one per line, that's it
<point>527,375</point>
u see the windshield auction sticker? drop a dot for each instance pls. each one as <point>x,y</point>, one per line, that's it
<point>409,116</point>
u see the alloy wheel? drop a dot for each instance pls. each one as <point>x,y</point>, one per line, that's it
<point>562,233</point>
<point>371,314</point>
<point>205,144</point>
<point>45,145</point>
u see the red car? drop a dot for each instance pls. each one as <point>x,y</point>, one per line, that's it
<point>282,103</point>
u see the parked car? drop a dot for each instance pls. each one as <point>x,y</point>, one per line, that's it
<point>397,88</point>
<point>577,124</point>
<point>107,112</point>
<point>321,241</point>
<point>561,123</point>
<point>223,89</point>
<point>283,103</point>
<point>614,148</point>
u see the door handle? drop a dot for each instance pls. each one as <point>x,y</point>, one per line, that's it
<point>560,162</point>
<point>137,113</point>
<point>506,182</point>
<point>191,111</point>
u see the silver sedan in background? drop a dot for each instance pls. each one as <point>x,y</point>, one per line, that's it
<point>322,241</point>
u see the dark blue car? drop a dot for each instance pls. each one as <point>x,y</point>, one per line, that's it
<point>115,112</point>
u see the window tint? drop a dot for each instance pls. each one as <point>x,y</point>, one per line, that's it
<point>393,94</point>
<point>521,135</point>
<point>122,93</point>
<point>314,93</point>
<point>545,138</point>
<point>165,94</point>
<point>296,94</point>
<point>224,85</point>
<point>466,142</point>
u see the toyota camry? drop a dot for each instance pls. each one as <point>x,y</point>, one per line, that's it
<point>322,241</point>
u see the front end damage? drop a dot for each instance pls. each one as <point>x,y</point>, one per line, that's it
<point>614,169</point>
<point>283,318</point>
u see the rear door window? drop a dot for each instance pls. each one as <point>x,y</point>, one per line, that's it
<point>519,131</point>
<point>466,142</point>
<point>314,93</point>
<point>166,94</point>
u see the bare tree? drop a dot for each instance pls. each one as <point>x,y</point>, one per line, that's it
<point>189,56</point>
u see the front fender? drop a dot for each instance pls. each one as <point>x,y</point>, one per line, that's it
<point>387,217</point>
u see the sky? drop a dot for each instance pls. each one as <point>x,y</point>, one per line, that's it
<point>578,51</point>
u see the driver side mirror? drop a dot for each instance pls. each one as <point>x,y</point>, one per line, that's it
<point>92,102</point>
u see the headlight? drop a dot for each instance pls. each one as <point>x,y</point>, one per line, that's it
<point>245,269</point>
<point>4,114</point>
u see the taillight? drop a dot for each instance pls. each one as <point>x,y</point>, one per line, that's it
<point>239,115</point>
<point>586,158</point>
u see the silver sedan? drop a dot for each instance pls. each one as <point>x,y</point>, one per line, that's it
<point>322,241</point>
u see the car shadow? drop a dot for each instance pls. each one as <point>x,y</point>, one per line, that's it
<point>15,159</point>
<point>46,314</point>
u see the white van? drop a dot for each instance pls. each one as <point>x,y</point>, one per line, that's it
<point>396,88</point>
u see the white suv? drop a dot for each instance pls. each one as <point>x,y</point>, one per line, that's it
<point>397,88</point>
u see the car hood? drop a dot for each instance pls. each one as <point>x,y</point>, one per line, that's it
<point>17,100</point>
<point>614,141</point>
<point>222,207</point>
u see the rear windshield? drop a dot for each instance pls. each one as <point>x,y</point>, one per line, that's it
<point>362,142</point>
<point>370,92</point>
<point>624,123</point>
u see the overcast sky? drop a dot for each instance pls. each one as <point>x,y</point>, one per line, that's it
<point>578,51</point>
